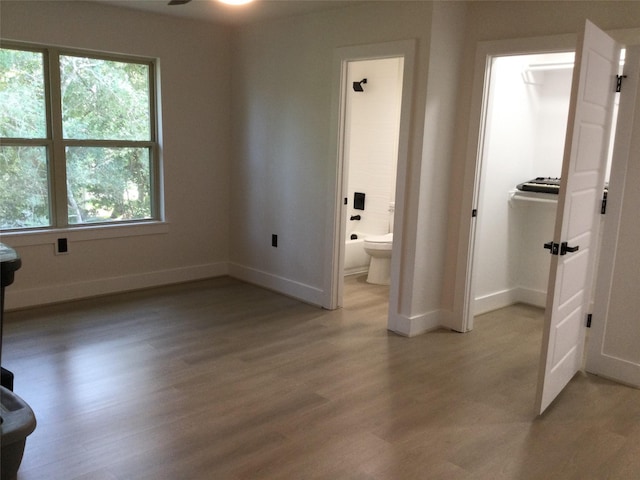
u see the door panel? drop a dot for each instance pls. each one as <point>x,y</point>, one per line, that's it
<point>583,171</point>
<point>567,336</point>
<point>574,267</point>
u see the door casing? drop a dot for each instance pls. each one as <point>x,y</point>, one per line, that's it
<point>342,56</point>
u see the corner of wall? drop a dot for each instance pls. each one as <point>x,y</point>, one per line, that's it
<point>417,324</point>
<point>285,286</point>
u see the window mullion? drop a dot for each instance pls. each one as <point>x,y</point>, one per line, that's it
<point>108,143</point>
<point>30,142</point>
<point>156,177</point>
<point>57,158</point>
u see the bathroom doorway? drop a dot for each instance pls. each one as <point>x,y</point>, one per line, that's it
<point>373,97</point>
<point>374,104</point>
<point>372,123</point>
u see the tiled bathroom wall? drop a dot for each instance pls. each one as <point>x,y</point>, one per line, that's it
<point>372,125</point>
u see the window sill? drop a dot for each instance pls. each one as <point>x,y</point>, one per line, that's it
<point>84,233</point>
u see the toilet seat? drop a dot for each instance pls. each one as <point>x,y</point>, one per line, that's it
<point>379,240</point>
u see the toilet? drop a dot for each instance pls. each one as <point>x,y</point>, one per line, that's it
<point>379,248</point>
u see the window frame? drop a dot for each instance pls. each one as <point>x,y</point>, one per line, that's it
<point>56,145</point>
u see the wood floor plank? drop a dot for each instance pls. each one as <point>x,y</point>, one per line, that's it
<point>219,379</point>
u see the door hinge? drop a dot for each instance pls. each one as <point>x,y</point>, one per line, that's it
<point>589,320</point>
<point>619,82</point>
<point>474,213</point>
<point>603,208</point>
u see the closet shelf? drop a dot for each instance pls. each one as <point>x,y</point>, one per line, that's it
<point>519,197</point>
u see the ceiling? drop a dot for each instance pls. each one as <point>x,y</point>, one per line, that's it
<point>214,11</point>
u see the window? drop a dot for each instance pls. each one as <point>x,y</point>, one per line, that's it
<point>77,139</point>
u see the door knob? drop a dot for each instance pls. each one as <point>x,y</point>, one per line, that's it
<point>561,249</point>
<point>552,247</point>
<point>565,248</point>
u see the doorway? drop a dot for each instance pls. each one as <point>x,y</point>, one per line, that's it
<point>524,132</point>
<point>575,241</point>
<point>373,95</point>
<point>523,139</point>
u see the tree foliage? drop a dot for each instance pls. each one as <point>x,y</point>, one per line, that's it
<point>104,99</point>
<point>101,100</point>
<point>24,195</point>
<point>126,194</point>
<point>22,102</point>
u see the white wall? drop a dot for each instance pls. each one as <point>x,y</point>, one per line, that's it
<point>510,145</point>
<point>551,127</point>
<point>371,139</point>
<point>422,269</point>
<point>194,62</point>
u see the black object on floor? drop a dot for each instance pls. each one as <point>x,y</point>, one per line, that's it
<point>17,420</point>
<point>6,380</point>
<point>9,263</point>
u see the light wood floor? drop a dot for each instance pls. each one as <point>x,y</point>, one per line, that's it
<point>222,380</point>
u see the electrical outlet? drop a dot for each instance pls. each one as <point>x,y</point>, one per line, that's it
<point>274,240</point>
<point>62,246</point>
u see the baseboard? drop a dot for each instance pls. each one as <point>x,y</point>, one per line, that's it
<point>31,297</point>
<point>416,325</point>
<point>533,297</point>
<point>356,271</point>
<point>494,301</point>
<point>285,286</point>
<point>447,321</point>
<point>504,298</point>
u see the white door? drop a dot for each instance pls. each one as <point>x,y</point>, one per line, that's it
<point>614,336</point>
<point>576,231</point>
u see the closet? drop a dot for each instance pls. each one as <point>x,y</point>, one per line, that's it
<point>524,136</point>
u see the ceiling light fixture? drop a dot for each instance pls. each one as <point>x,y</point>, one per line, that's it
<point>235,2</point>
<point>228,2</point>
